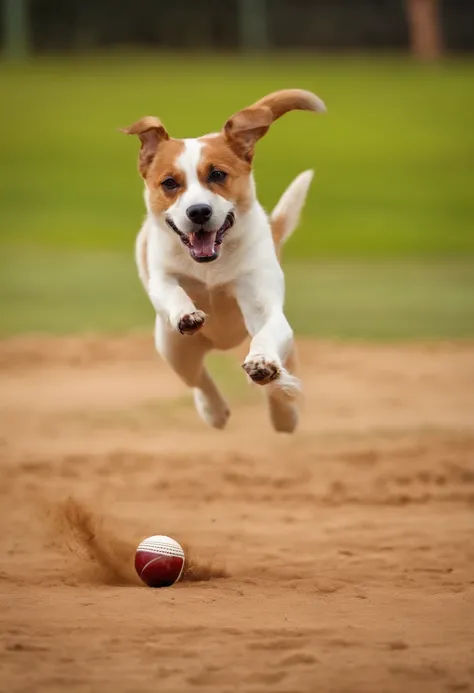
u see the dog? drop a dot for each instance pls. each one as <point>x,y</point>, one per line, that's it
<point>208,255</point>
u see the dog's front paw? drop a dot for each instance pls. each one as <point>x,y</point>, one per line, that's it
<point>260,370</point>
<point>191,322</point>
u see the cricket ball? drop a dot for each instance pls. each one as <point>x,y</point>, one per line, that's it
<point>159,561</point>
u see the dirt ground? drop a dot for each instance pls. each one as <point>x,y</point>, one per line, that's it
<point>338,560</point>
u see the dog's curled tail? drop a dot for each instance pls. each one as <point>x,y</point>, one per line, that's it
<point>286,215</point>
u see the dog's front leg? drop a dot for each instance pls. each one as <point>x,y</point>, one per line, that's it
<point>173,304</point>
<point>260,296</point>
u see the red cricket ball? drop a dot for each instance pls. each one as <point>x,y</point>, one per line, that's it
<point>159,561</point>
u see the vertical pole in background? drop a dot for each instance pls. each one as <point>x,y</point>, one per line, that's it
<point>253,24</point>
<point>424,22</point>
<point>15,28</point>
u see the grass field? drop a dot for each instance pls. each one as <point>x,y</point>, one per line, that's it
<point>58,291</point>
<point>386,246</point>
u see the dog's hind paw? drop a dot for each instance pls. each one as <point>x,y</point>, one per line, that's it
<point>213,410</point>
<point>191,322</point>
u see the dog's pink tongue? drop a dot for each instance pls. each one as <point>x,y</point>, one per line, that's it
<point>203,243</point>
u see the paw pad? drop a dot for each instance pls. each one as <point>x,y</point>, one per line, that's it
<point>191,322</point>
<point>261,371</point>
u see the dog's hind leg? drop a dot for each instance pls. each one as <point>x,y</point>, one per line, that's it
<point>209,403</point>
<point>186,355</point>
<point>282,405</point>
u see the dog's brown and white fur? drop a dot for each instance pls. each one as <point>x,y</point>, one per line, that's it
<point>208,255</point>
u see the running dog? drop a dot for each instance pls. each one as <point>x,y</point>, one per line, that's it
<point>208,254</point>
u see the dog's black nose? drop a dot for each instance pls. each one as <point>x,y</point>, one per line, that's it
<point>199,214</point>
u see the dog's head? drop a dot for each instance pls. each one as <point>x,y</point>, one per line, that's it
<point>198,187</point>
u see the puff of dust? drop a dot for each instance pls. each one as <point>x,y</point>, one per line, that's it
<point>105,558</point>
<point>196,570</point>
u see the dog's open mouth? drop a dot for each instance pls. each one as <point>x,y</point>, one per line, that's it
<point>204,245</point>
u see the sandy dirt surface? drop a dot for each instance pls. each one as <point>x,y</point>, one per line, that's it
<point>338,560</point>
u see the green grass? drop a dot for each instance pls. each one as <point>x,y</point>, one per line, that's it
<point>389,215</point>
<point>393,156</point>
<point>64,291</point>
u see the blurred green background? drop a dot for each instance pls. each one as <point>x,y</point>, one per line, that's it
<point>386,246</point>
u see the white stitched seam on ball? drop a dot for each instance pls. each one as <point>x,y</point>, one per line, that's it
<point>160,548</point>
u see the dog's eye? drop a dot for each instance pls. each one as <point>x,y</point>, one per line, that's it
<point>217,176</point>
<point>170,184</point>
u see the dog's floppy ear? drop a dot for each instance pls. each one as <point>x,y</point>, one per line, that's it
<point>151,132</point>
<point>244,128</point>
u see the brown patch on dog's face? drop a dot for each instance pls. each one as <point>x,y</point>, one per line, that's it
<point>218,155</point>
<point>165,180</point>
